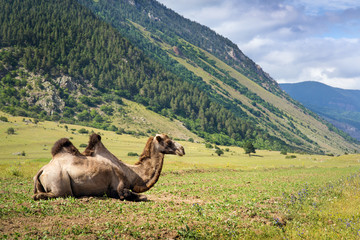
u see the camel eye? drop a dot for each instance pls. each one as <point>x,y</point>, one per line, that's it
<point>170,144</point>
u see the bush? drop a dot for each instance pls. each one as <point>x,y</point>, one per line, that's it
<point>83,131</point>
<point>112,128</point>
<point>83,145</point>
<point>10,131</point>
<point>283,152</point>
<point>4,119</point>
<point>15,171</point>
<point>108,110</point>
<point>208,145</point>
<point>120,131</point>
<point>290,156</point>
<point>219,152</point>
<point>132,154</point>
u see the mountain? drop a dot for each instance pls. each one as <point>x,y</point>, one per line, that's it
<point>86,62</point>
<point>339,106</point>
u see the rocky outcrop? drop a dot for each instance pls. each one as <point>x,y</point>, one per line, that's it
<point>177,51</point>
<point>67,82</point>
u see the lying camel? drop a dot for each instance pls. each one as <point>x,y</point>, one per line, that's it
<point>97,172</point>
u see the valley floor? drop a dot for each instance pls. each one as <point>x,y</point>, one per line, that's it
<point>200,195</point>
<point>293,203</point>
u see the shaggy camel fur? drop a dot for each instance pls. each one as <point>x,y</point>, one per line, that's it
<point>97,172</point>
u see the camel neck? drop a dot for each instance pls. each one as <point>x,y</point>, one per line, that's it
<point>155,163</point>
<point>148,168</point>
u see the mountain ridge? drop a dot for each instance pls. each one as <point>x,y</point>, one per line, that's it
<point>153,31</point>
<point>114,57</point>
<point>338,106</point>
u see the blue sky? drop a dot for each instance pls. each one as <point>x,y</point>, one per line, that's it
<point>292,40</point>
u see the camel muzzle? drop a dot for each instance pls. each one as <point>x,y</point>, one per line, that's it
<point>180,151</point>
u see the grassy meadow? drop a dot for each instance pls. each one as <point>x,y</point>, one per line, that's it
<point>198,196</point>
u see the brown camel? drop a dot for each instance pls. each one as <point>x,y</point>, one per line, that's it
<point>97,172</point>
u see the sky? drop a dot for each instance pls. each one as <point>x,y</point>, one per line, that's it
<point>292,40</point>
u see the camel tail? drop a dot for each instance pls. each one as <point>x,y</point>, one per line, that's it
<point>38,187</point>
<point>64,145</point>
<point>39,190</point>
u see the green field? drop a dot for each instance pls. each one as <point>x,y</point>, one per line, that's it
<point>198,196</point>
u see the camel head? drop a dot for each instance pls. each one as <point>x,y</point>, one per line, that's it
<point>167,146</point>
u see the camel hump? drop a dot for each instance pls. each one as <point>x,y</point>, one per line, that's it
<point>64,145</point>
<point>93,140</point>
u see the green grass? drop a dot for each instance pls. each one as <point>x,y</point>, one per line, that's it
<point>199,196</point>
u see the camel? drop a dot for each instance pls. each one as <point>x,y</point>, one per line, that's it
<point>97,172</point>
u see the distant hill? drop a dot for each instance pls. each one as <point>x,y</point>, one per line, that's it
<point>101,63</point>
<point>339,106</point>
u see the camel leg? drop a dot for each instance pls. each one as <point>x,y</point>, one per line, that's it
<point>127,194</point>
<point>132,196</point>
<point>121,191</point>
<point>43,195</point>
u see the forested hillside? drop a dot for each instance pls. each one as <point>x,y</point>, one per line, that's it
<point>59,61</point>
<point>193,51</point>
<point>44,41</point>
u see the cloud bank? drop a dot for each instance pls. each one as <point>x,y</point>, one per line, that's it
<point>292,40</point>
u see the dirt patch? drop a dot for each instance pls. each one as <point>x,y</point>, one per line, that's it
<point>94,218</point>
<point>175,199</point>
<point>81,227</point>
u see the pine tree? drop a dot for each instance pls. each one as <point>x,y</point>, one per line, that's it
<point>249,148</point>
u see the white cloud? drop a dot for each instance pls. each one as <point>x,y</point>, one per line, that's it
<point>292,40</point>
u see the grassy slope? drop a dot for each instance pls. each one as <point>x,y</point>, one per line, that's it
<point>46,133</point>
<point>312,128</point>
<point>303,121</point>
<point>198,196</point>
<point>139,118</point>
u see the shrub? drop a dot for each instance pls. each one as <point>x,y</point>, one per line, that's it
<point>290,156</point>
<point>83,145</point>
<point>10,131</point>
<point>112,128</point>
<point>98,119</point>
<point>83,131</point>
<point>108,110</point>
<point>132,154</point>
<point>283,152</point>
<point>219,152</point>
<point>4,119</point>
<point>120,131</point>
<point>208,145</point>
<point>15,171</point>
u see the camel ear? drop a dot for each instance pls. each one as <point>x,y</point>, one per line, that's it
<point>158,138</point>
